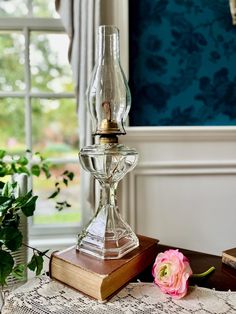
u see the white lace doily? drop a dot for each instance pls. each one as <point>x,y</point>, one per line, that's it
<point>45,296</point>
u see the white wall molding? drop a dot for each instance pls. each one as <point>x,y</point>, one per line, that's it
<point>183,174</point>
<point>192,133</point>
<point>187,168</point>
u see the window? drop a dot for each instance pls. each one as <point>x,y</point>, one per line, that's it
<point>37,103</point>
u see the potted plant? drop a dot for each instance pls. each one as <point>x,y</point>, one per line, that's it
<point>14,207</point>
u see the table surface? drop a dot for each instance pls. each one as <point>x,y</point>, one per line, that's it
<point>223,278</point>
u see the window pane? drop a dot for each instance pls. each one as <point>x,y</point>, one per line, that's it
<point>44,8</point>
<point>46,212</point>
<point>14,8</point>
<point>11,62</point>
<point>12,125</point>
<point>55,127</point>
<point>50,69</point>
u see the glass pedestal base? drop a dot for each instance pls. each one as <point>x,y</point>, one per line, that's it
<point>112,248</point>
<point>108,236</point>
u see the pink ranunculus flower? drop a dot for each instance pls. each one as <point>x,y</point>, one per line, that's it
<point>171,271</point>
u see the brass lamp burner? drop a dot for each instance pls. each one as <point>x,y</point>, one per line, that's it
<point>108,128</point>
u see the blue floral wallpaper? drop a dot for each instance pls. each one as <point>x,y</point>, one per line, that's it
<point>182,63</point>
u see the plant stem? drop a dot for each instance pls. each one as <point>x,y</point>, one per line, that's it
<point>34,249</point>
<point>204,274</point>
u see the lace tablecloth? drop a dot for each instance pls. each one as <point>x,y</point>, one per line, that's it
<point>45,296</point>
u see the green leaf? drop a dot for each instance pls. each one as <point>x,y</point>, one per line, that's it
<point>6,265</point>
<point>8,189</point>
<point>39,155</point>
<point>3,199</point>
<point>65,181</point>
<point>54,194</point>
<point>35,169</point>
<point>36,263</point>
<point>22,161</point>
<point>61,205</point>
<point>2,153</point>
<point>19,272</point>
<point>29,208</point>
<point>12,238</point>
<point>13,167</point>
<point>6,205</point>
<point>23,169</point>
<point>45,169</point>
<point>3,172</point>
<point>23,200</point>
<point>71,176</point>
<point>11,219</point>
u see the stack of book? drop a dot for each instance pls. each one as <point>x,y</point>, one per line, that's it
<point>97,278</point>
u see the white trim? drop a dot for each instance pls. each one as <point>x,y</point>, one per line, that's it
<point>185,167</point>
<point>39,24</point>
<point>52,243</point>
<point>190,133</point>
<point>28,108</point>
<point>42,95</point>
<point>54,231</point>
<point>63,160</point>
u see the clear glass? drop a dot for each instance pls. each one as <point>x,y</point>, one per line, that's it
<point>12,125</point>
<point>108,236</point>
<point>12,61</point>
<point>50,68</point>
<point>108,93</point>
<point>52,134</point>
<point>46,212</point>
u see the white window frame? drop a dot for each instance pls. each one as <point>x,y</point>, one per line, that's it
<point>40,234</point>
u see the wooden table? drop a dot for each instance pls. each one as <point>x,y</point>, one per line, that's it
<point>223,278</point>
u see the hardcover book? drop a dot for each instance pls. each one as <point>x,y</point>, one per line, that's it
<point>229,257</point>
<point>97,278</point>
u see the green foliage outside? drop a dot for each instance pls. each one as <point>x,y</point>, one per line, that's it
<point>54,120</point>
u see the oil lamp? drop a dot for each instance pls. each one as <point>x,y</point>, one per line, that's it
<point>108,236</point>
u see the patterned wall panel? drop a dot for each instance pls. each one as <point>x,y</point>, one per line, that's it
<point>182,63</point>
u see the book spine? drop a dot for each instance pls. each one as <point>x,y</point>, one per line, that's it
<point>50,263</point>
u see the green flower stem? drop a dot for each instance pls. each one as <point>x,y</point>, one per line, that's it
<point>204,274</point>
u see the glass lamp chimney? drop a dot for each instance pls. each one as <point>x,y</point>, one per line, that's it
<point>108,93</point>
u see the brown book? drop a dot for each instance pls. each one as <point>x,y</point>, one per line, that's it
<point>97,278</point>
<point>229,257</point>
